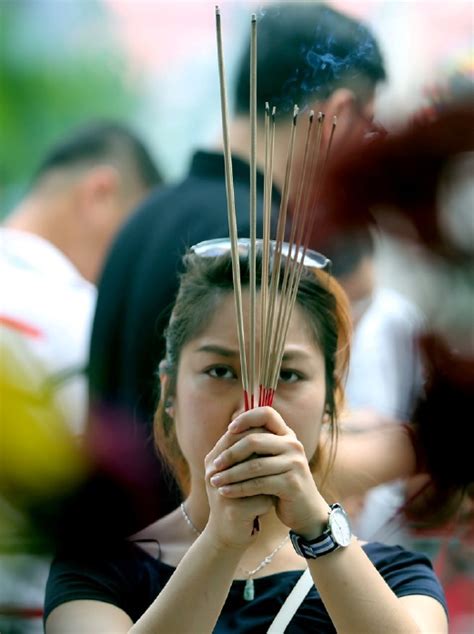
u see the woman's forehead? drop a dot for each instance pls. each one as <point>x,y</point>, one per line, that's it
<point>223,323</point>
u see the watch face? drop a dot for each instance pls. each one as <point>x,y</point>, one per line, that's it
<point>340,526</point>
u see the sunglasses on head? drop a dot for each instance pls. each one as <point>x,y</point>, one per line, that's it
<point>220,246</point>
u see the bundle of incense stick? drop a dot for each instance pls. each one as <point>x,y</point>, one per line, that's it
<point>277,293</point>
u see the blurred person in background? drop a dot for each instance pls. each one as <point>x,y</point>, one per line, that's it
<point>308,54</point>
<point>54,243</point>
<point>388,377</point>
<point>385,382</point>
<point>353,264</point>
<point>52,250</point>
<point>385,377</point>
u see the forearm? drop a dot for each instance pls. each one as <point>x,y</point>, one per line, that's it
<point>356,597</point>
<point>367,459</point>
<point>193,598</point>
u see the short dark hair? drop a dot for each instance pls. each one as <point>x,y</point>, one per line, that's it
<point>305,52</point>
<point>101,141</point>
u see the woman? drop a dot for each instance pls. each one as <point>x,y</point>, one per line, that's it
<point>204,567</point>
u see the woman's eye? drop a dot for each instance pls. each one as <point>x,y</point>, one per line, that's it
<point>289,376</point>
<point>221,372</point>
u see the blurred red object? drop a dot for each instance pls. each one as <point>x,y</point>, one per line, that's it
<point>394,181</point>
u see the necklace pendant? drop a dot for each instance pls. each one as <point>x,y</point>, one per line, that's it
<point>249,590</point>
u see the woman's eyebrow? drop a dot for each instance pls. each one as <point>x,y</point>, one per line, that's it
<point>295,355</point>
<point>221,351</point>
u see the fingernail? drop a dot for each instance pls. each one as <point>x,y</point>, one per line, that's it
<point>215,480</point>
<point>234,425</point>
<point>224,490</point>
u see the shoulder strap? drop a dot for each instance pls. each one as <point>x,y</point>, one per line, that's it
<point>292,603</point>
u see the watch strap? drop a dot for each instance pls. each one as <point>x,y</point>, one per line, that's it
<point>322,545</point>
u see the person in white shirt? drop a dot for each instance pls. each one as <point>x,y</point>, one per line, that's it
<point>52,248</point>
<point>385,376</point>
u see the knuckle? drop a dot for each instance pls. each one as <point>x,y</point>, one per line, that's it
<point>255,483</point>
<point>227,455</point>
<point>208,459</point>
<point>292,479</point>
<point>255,465</point>
<point>253,442</point>
<point>296,444</point>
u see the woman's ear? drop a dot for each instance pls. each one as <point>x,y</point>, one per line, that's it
<point>164,385</point>
<point>326,416</point>
<point>163,368</point>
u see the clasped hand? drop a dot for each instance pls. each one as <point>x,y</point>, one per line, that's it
<point>257,465</point>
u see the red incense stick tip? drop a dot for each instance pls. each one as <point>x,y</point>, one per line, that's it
<point>270,397</point>
<point>246,401</point>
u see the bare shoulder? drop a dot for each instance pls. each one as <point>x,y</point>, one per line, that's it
<point>427,612</point>
<point>93,617</point>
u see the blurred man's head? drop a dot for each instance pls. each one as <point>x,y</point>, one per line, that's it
<point>84,189</point>
<point>317,58</point>
<point>306,52</point>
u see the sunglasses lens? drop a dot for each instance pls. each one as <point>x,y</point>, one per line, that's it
<point>215,248</point>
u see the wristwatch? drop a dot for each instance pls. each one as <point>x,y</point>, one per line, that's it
<point>337,534</point>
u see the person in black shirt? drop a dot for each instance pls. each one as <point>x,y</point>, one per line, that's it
<point>308,54</point>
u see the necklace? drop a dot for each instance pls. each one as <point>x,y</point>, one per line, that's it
<point>249,588</point>
<point>187,519</point>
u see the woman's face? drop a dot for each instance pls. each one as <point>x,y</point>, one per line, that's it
<point>209,391</point>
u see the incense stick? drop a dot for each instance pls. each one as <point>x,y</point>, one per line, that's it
<point>231,214</point>
<point>305,246</point>
<point>294,243</point>
<point>253,206</point>
<point>277,299</point>
<point>269,141</point>
<point>276,261</point>
<point>317,189</point>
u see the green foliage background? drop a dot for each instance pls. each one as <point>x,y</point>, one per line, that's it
<point>60,66</point>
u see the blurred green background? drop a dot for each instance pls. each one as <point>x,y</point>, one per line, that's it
<point>60,65</point>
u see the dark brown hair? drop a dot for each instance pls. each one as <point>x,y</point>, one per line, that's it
<point>204,284</point>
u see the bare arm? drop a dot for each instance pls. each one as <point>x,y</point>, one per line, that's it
<point>369,458</point>
<point>201,583</point>
<point>358,599</point>
<point>93,617</point>
<point>355,594</point>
